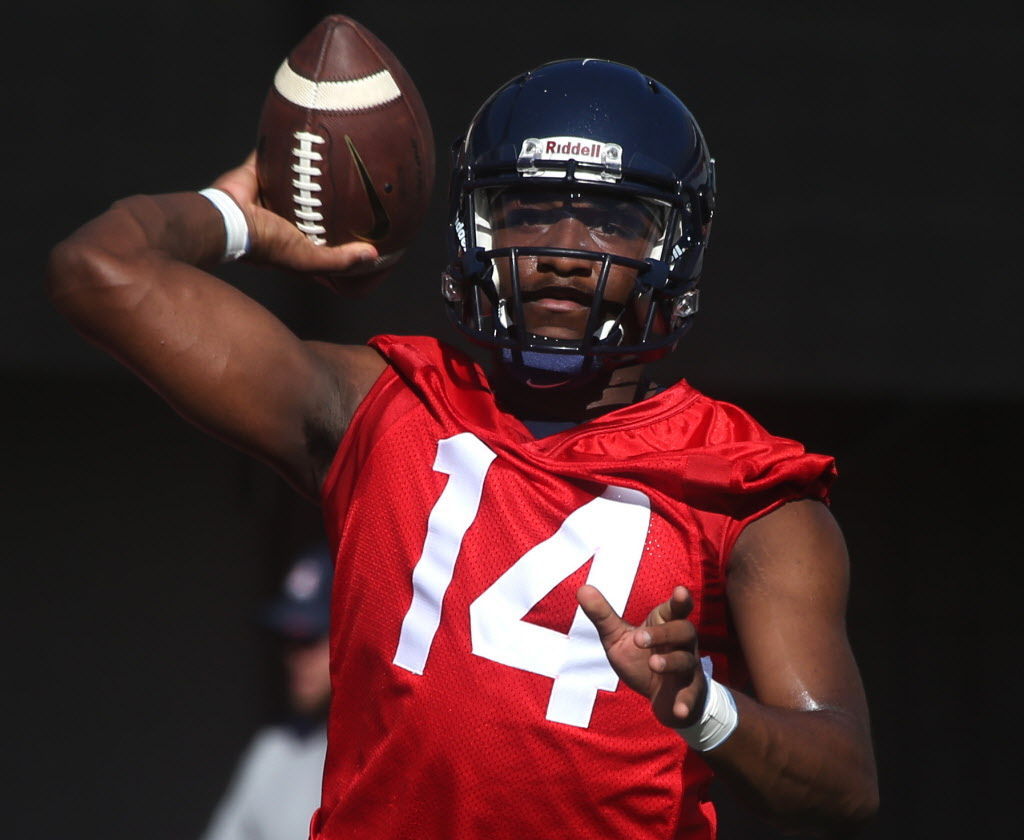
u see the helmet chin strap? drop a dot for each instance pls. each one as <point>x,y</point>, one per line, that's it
<point>549,370</point>
<point>539,369</point>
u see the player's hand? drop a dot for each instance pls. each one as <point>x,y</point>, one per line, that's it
<point>277,241</point>
<point>659,659</point>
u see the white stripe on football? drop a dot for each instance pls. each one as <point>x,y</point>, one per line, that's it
<point>352,95</point>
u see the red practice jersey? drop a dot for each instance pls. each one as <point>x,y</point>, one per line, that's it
<point>471,696</point>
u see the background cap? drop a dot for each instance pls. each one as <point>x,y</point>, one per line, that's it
<point>302,609</point>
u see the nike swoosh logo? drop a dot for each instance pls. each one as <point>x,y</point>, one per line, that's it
<point>533,384</point>
<point>381,221</point>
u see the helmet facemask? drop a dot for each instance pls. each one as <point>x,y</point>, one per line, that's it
<point>571,279</point>
<point>561,257</point>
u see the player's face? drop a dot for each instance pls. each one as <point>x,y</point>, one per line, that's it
<point>308,674</point>
<point>557,291</point>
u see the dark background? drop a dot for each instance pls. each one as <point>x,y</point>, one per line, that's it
<point>861,294</point>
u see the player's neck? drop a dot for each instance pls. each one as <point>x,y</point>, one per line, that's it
<point>608,391</point>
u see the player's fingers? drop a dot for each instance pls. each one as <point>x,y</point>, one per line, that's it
<point>681,635</point>
<point>680,663</point>
<point>687,700</point>
<point>679,605</point>
<point>240,183</point>
<point>277,241</point>
<point>333,261</point>
<point>596,607</point>
<point>312,259</point>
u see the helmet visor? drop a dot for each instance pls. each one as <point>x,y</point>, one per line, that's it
<point>607,223</point>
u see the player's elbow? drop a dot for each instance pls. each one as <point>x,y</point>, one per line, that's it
<point>862,805</point>
<point>854,813</point>
<point>842,797</point>
<point>71,264</point>
<point>839,800</point>
<point>836,824</point>
<point>845,815</point>
<point>82,271</point>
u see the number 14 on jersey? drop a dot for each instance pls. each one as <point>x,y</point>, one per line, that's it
<point>611,529</point>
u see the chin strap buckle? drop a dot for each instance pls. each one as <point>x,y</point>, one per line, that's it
<point>472,265</point>
<point>655,276</point>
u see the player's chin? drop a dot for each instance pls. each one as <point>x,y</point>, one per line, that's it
<point>557,326</point>
<point>565,321</point>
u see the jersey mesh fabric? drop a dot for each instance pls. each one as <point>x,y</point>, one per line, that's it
<point>466,749</point>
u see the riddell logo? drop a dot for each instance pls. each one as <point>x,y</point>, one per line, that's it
<point>591,150</point>
<point>563,148</point>
<point>601,161</point>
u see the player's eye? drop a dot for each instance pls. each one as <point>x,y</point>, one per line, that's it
<point>611,227</point>
<point>621,225</point>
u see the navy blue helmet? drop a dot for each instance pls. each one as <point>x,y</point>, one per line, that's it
<point>583,136</point>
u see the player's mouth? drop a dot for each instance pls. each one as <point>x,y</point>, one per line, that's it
<point>559,298</point>
<point>567,300</point>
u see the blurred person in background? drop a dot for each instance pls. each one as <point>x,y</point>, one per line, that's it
<point>276,786</point>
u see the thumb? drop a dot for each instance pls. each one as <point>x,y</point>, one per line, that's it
<point>610,626</point>
<point>240,183</point>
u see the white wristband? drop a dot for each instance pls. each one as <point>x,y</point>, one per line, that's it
<point>236,229</point>
<point>718,721</point>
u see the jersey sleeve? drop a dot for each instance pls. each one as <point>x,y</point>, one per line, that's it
<point>755,472</point>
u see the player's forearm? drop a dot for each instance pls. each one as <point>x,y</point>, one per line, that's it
<point>806,771</point>
<point>133,244</point>
<point>129,282</point>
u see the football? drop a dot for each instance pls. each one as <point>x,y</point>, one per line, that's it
<point>345,149</point>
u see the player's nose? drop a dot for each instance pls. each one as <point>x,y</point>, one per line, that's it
<point>569,233</point>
